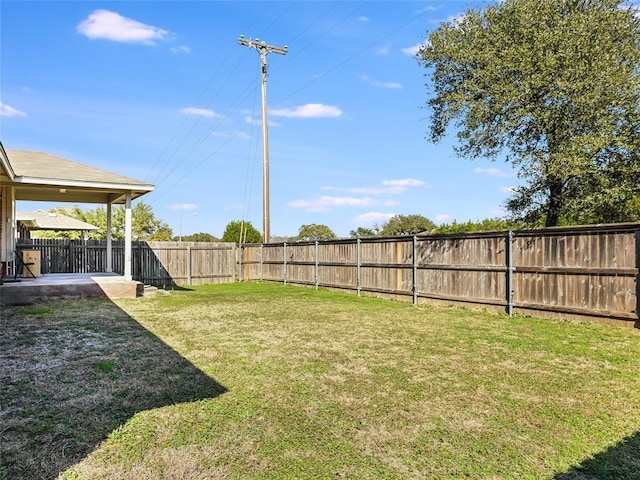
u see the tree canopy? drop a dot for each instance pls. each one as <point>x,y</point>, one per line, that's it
<point>554,85</point>
<point>239,231</point>
<point>406,225</point>
<point>314,232</point>
<point>198,237</point>
<point>485,225</point>
<point>364,232</point>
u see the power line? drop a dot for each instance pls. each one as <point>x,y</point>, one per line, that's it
<point>244,94</point>
<point>202,93</point>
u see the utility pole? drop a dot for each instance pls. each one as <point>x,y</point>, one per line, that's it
<point>263,48</point>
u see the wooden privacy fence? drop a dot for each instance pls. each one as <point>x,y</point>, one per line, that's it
<point>579,272</point>
<point>154,263</point>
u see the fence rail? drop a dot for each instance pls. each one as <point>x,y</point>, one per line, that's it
<point>581,272</point>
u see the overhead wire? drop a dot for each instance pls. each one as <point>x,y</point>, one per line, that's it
<point>348,59</point>
<point>199,118</point>
<point>159,181</point>
<point>244,94</point>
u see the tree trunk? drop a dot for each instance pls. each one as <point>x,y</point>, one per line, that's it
<point>554,207</point>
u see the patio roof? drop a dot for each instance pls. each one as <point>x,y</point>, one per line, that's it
<point>41,176</point>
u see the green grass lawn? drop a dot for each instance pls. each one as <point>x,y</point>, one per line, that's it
<point>269,381</point>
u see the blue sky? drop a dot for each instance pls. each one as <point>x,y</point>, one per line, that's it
<point>163,92</point>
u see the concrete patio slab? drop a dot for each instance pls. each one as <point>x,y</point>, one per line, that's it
<point>67,285</point>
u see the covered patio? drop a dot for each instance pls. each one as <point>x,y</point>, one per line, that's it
<point>42,177</point>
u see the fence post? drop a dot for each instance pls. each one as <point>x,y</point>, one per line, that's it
<point>414,277</point>
<point>358,282</point>
<point>316,274</point>
<point>510,270</point>
<point>70,260</point>
<point>284,258</point>
<point>189,265</point>
<point>241,273</point>
<point>85,256</point>
<point>261,262</point>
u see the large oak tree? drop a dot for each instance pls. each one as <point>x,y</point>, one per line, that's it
<point>554,86</point>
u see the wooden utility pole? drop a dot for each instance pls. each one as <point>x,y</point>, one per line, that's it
<point>263,48</point>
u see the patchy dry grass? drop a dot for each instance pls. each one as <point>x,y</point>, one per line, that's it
<point>73,371</point>
<point>317,385</point>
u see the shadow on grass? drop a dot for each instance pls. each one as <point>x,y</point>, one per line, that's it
<point>620,462</point>
<point>71,372</point>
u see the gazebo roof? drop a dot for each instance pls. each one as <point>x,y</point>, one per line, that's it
<point>39,176</point>
<point>42,220</point>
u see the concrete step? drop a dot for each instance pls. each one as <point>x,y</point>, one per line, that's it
<point>149,290</point>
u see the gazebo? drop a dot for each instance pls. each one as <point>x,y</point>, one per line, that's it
<point>41,220</point>
<point>38,176</point>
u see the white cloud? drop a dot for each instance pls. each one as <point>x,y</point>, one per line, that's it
<point>364,190</point>
<point>456,19</point>
<point>9,111</point>
<point>181,49</point>
<point>183,206</point>
<point>492,172</point>
<point>379,84</point>
<point>363,19</point>
<point>202,112</point>
<point>412,51</point>
<point>372,218</point>
<point>406,182</point>
<point>443,218</point>
<point>310,110</point>
<point>508,190</point>
<point>110,25</point>
<point>325,203</point>
<point>389,187</point>
<point>428,8</point>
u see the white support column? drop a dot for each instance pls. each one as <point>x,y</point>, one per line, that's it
<point>127,238</point>
<point>9,226</point>
<point>109,240</point>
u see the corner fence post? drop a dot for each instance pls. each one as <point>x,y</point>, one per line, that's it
<point>358,279</point>
<point>316,273</point>
<point>414,278</point>
<point>284,258</point>
<point>510,270</point>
